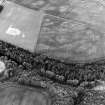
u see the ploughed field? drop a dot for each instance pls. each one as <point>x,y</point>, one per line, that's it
<point>68,65</point>
<point>70,29</point>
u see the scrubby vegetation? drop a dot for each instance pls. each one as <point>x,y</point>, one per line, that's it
<point>39,70</point>
<point>52,68</point>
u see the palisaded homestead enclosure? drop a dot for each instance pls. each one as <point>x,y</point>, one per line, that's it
<point>52,52</point>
